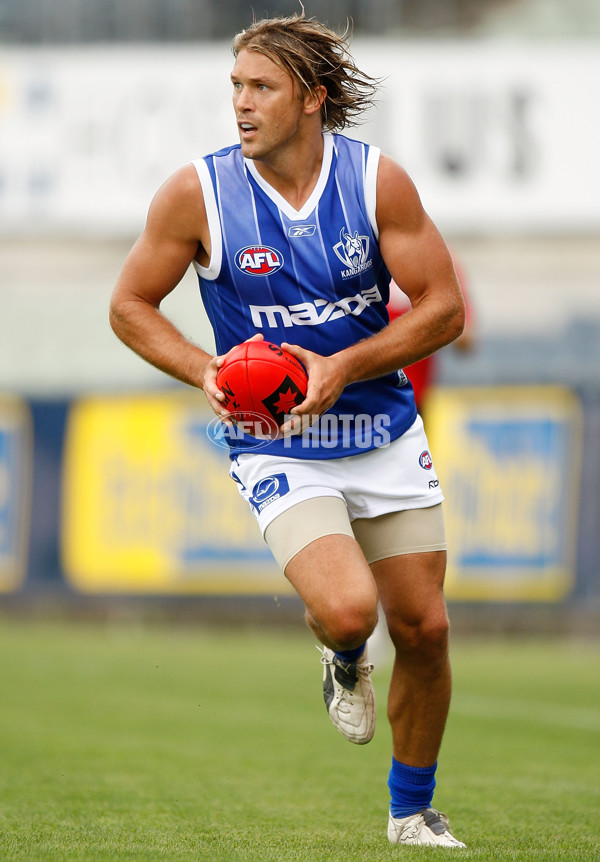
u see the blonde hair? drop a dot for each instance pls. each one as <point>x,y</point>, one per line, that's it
<point>314,56</point>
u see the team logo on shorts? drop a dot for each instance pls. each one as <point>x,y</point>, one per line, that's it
<point>425,460</point>
<point>258,260</point>
<point>269,489</point>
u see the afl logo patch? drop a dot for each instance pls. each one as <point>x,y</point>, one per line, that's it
<point>425,460</point>
<point>258,260</point>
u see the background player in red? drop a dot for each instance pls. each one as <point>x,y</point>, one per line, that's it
<point>424,373</point>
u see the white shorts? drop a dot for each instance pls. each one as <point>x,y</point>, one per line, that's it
<point>389,479</point>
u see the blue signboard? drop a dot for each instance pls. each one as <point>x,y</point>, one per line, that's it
<point>15,479</point>
<point>509,461</point>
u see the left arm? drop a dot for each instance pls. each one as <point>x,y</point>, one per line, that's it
<point>420,263</point>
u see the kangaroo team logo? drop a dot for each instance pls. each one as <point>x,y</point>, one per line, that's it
<point>352,249</point>
<point>258,260</point>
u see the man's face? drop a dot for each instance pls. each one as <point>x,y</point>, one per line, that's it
<point>268,107</point>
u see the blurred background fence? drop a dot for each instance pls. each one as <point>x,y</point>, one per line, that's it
<point>111,486</point>
<point>83,21</point>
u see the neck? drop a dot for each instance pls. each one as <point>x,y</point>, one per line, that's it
<point>294,173</point>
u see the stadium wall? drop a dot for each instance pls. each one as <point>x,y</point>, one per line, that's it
<point>496,135</point>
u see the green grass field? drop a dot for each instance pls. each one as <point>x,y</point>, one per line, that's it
<point>152,742</point>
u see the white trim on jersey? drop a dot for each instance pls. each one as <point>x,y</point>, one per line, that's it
<point>211,272</point>
<point>286,208</point>
<point>371,187</point>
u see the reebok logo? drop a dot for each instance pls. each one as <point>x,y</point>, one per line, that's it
<point>298,230</point>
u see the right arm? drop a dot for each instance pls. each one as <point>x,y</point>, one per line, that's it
<point>175,234</point>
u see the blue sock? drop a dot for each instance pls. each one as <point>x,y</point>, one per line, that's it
<point>351,654</point>
<point>411,788</point>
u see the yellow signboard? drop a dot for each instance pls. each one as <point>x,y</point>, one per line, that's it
<point>148,505</point>
<point>509,464</point>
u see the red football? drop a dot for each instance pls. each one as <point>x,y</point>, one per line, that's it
<point>261,383</point>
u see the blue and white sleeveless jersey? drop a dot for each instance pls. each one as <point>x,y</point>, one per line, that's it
<point>313,277</point>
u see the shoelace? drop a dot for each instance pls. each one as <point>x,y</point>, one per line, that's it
<point>364,669</point>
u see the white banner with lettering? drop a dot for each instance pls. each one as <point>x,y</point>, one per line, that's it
<point>498,138</point>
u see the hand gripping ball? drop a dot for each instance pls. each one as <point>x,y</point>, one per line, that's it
<point>261,383</point>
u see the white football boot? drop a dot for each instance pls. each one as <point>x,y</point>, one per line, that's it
<point>429,828</point>
<point>349,695</point>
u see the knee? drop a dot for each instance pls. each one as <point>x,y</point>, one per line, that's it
<point>425,638</point>
<point>435,635</point>
<point>351,628</point>
<point>350,624</point>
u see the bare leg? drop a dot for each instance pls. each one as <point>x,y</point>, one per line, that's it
<point>411,595</point>
<point>334,581</point>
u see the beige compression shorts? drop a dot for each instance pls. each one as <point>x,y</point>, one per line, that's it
<point>388,498</point>
<point>410,531</point>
